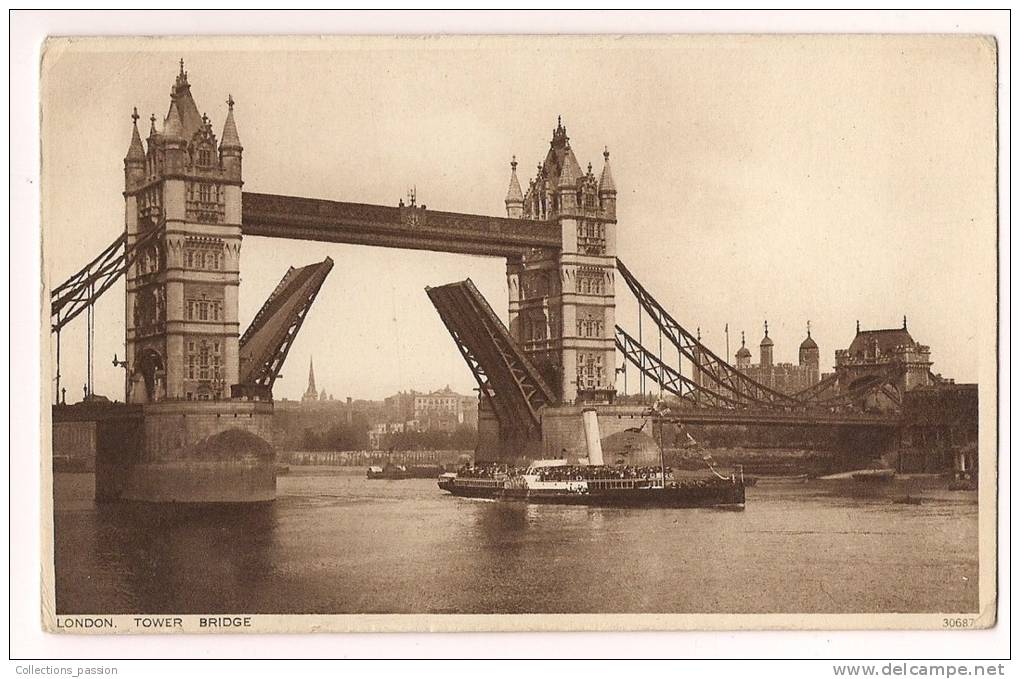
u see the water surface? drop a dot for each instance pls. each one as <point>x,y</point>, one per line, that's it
<point>335,542</point>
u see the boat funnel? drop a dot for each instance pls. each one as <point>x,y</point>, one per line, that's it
<point>591,436</point>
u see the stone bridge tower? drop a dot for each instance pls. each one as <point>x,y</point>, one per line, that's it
<point>562,304</point>
<point>181,307</point>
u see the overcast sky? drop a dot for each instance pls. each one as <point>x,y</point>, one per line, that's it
<point>788,179</point>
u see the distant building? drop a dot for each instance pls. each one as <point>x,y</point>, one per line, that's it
<point>445,410</point>
<point>890,351</point>
<point>400,406</point>
<point>783,377</point>
<point>439,410</point>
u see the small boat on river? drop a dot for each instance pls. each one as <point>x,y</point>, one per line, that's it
<point>390,472</point>
<point>874,475</point>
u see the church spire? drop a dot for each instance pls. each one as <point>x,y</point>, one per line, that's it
<point>311,394</point>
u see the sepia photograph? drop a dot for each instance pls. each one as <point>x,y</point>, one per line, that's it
<point>450,333</point>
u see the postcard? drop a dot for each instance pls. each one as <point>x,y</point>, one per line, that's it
<point>519,333</point>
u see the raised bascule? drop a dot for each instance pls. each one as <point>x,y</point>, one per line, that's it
<point>195,424</point>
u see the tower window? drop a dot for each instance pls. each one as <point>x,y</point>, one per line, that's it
<point>588,325</point>
<point>590,281</point>
<point>204,310</point>
<point>591,237</point>
<point>204,361</point>
<point>204,255</point>
<point>590,370</point>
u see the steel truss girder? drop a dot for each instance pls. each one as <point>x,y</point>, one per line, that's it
<point>813,394</point>
<point>876,382</point>
<point>823,394</point>
<point>724,376</point>
<point>267,341</point>
<point>510,383</point>
<point>81,290</point>
<point>671,380</point>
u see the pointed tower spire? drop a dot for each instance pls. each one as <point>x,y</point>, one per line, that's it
<point>571,171</point>
<point>172,126</point>
<point>187,110</point>
<point>904,321</point>
<point>559,139</point>
<point>606,183</point>
<point>136,152</point>
<point>514,196</point>
<point>230,139</point>
<point>809,329</point>
<point>230,144</point>
<point>134,161</point>
<point>607,188</point>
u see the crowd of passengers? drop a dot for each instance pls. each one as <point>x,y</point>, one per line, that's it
<point>488,470</point>
<point>581,473</point>
<point>564,472</point>
<point>591,472</point>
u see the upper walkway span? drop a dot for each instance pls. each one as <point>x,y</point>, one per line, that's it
<point>407,226</point>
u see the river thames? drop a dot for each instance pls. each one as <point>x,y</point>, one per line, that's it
<point>335,542</point>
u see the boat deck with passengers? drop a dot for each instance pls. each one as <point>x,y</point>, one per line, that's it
<point>556,482</point>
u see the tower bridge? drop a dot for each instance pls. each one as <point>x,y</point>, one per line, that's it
<point>201,390</point>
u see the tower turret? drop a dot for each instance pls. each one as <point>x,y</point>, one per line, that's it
<point>765,349</point>
<point>562,309</point>
<point>230,144</point>
<point>514,197</point>
<point>743,354</point>
<point>566,188</point>
<point>808,356</point>
<point>181,294</point>
<point>134,161</point>
<point>607,188</point>
<point>174,143</point>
